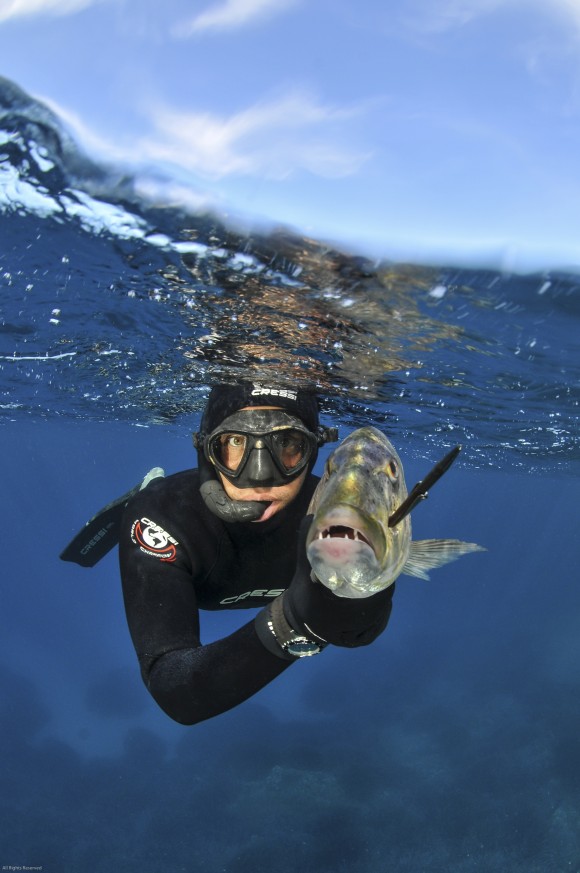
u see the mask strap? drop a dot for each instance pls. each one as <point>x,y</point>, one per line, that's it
<point>420,491</point>
<point>323,435</point>
<point>326,435</point>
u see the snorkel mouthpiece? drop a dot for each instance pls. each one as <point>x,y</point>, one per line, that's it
<point>218,502</point>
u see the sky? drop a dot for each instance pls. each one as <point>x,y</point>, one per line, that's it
<point>424,130</point>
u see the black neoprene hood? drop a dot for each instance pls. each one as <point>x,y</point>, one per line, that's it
<point>224,400</point>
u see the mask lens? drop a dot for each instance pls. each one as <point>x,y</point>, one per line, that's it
<point>290,447</point>
<point>229,450</point>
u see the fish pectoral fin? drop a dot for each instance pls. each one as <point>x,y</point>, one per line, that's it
<point>427,555</point>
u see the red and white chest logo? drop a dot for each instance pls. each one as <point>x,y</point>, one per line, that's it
<point>153,540</point>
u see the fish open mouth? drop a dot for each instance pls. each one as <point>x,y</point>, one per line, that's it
<point>341,531</point>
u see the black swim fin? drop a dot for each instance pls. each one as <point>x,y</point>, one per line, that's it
<point>101,532</point>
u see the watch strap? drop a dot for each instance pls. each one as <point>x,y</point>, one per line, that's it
<point>280,638</point>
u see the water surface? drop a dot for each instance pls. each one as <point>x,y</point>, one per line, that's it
<point>452,742</point>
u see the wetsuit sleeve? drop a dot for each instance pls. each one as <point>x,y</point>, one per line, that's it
<point>189,681</point>
<point>196,683</point>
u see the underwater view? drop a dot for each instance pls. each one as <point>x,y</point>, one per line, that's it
<point>449,744</point>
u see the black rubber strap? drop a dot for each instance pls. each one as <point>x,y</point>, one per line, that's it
<point>271,625</point>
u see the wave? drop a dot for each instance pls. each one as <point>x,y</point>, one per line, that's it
<point>119,305</point>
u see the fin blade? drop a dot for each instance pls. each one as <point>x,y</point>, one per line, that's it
<point>101,532</point>
<point>154,473</point>
<point>427,555</point>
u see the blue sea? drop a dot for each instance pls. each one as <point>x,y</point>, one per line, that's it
<point>450,744</point>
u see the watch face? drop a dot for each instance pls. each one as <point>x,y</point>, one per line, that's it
<point>301,647</point>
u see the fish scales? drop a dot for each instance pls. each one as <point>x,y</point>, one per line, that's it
<point>350,545</point>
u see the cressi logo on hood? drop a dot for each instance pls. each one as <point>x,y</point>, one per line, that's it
<point>263,391</point>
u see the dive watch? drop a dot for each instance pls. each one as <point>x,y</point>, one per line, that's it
<point>280,638</point>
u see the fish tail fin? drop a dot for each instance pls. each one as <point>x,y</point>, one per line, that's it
<point>427,555</point>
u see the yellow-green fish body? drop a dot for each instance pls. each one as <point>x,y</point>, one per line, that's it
<point>350,545</point>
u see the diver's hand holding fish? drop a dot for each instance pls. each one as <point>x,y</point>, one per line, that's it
<point>359,540</point>
<point>356,540</point>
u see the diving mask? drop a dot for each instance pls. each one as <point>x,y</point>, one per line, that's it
<point>262,447</point>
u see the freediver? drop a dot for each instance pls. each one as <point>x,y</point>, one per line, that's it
<point>231,535</point>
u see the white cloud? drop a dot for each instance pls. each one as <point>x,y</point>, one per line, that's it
<point>268,139</point>
<point>572,7</point>
<point>21,8</point>
<point>231,14</point>
<point>450,14</point>
<point>92,142</point>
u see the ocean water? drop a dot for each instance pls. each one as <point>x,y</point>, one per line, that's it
<point>450,744</point>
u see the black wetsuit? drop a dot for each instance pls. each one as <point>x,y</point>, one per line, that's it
<point>176,558</point>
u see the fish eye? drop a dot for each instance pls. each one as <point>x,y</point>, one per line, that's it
<point>393,470</point>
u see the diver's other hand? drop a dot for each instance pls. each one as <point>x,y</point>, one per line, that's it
<point>310,607</point>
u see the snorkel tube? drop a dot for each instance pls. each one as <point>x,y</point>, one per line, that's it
<point>216,499</point>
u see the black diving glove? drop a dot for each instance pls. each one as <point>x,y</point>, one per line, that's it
<point>312,610</point>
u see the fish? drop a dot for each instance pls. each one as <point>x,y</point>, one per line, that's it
<point>359,541</point>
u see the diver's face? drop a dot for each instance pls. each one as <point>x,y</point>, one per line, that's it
<point>278,497</point>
